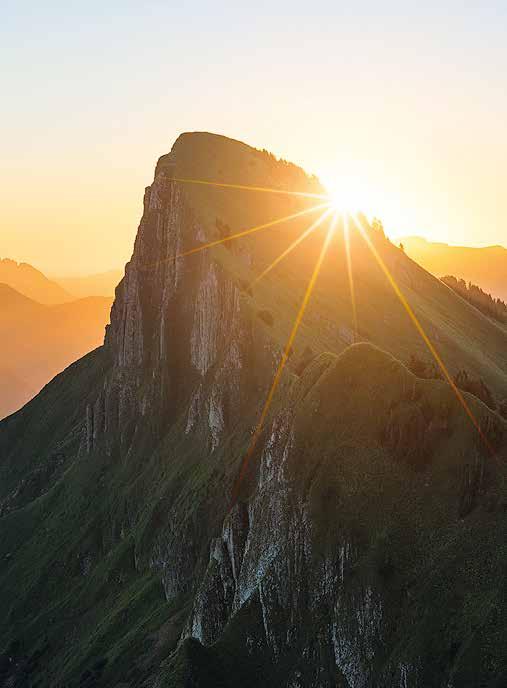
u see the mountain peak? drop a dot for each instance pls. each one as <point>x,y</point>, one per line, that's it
<point>204,156</point>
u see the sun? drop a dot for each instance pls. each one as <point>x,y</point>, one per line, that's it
<point>347,195</point>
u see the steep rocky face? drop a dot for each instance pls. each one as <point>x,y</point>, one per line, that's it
<point>180,335</point>
<point>365,544</point>
<point>337,548</point>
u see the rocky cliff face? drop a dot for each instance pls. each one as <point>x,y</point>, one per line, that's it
<point>164,337</point>
<point>364,546</point>
<point>181,343</point>
<point>331,546</point>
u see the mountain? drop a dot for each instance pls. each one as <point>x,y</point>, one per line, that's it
<point>30,282</point>
<point>38,341</point>
<point>486,266</point>
<point>101,284</point>
<point>152,534</point>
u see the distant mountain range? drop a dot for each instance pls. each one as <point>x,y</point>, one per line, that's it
<point>31,282</point>
<point>486,267</point>
<point>37,340</point>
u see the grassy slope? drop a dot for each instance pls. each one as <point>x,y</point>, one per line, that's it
<point>395,495</point>
<point>106,510</point>
<point>407,474</point>
<point>394,473</point>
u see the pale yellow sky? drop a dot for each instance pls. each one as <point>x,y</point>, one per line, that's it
<point>402,108</point>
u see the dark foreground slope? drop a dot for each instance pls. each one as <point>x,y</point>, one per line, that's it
<point>365,544</point>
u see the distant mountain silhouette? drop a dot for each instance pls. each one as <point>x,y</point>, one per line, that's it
<point>100,284</point>
<point>38,341</point>
<point>486,266</point>
<point>31,282</point>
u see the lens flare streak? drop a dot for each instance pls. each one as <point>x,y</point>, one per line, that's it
<point>285,355</point>
<point>327,208</point>
<point>423,334</point>
<point>252,230</point>
<point>238,235</point>
<point>295,243</point>
<point>348,255</point>
<point>246,187</point>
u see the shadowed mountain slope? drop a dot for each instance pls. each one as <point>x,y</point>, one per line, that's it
<point>365,542</point>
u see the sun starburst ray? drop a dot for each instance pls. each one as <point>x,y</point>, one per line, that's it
<point>253,230</point>
<point>422,333</point>
<point>293,245</point>
<point>285,356</point>
<point>247,187</point>
<point>348,256</point>
<point>237,235</point>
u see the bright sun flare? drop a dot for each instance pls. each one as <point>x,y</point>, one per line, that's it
<point>347,196</point>
<point>351,194</point>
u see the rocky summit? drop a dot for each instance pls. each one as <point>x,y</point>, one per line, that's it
<point>152,535</point>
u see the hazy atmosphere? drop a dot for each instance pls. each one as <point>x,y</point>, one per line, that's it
<point>400,105</point>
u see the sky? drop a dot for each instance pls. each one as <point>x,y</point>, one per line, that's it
<point>399,106</point>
